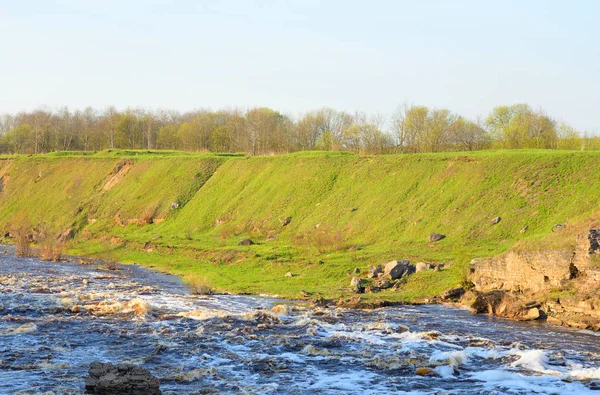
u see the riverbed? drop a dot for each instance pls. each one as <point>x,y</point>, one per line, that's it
<point>58,317</point>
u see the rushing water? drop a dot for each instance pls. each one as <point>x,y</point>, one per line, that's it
<point>56,318</point>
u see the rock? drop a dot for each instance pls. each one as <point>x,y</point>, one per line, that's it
<point>436,237</point>
<point>557,227</point>
<point>289,274</point>
<point>422,266</point>
<point>553,321</point>
<point>395,269</point>
<point>494,221</point>
<point>355,209</point>
<point>375,271</point>
<point>524,229</point>
<point>282,309</point>
<point>383,283</point>
<point>355,281</point>
<point>174,205</point>
<point>496,303</point>
<point>287,221</point>
<point>532,314</point>
<point>593,238</point>
<point>371,289</point>
<point>246,242</point>
<point>424,372</point>
<point>356,271</point>
<point>453,293</point>
<point>106,378</point>
<point>358,288</point>
<point>352,249</point>
<point>305,294</point>
<point>409,270</point>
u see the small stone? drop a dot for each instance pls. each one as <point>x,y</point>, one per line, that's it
<point>422,266</point>
<point>424,372</point>
<point>494,221</point>
<point>375,271</point>
<point>436,237</point>
<point>287,221</point>
<point>289,274</point>
<point>383,283</point>
<point>524,229</point>
<point>246,242</point>
<point>355,281</point>
<point>356,271</point>
<point>174,205</point>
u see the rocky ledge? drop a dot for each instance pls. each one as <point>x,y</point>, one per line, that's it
<point>561,286</point>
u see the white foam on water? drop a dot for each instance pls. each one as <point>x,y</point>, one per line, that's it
<point>517,383</point>
<point>535,360</point>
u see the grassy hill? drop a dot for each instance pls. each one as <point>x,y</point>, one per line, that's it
<point>186,213</point>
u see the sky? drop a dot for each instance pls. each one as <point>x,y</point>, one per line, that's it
<point>295,56</point>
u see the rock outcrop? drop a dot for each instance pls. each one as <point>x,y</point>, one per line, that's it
<point>106,378</point>
<point>566,281</point>
<point>524,271</point>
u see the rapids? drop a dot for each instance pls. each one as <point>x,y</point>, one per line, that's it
<point>56,318</point>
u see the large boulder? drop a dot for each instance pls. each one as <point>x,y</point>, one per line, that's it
<point>395,269</point>
<point>106,378</point>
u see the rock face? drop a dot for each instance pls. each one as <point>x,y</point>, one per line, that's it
<point>520,275</point>
<point>524,271</point>
<point>106,378</point>
<point>436,237</point>
<point>395,269</point>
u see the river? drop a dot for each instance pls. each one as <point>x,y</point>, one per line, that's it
<point>56,318</point>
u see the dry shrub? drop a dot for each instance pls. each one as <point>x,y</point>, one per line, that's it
<point>21,232</point>
<point>148,215</point>
<point>107,256</point>
<point>325,239</point>
<point>199,287</point>
<point>51,251</point>
<point>111,265</point>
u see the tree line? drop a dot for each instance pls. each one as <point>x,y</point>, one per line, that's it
<point>264,131</point>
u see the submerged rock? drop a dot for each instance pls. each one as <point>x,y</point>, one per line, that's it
<point>106,378</point>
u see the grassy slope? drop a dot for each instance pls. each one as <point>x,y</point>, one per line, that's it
<point>399,200</point>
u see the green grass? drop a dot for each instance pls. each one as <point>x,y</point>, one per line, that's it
<point>386,206</point>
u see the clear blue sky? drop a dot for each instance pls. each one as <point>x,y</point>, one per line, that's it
<point>293,56</point>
